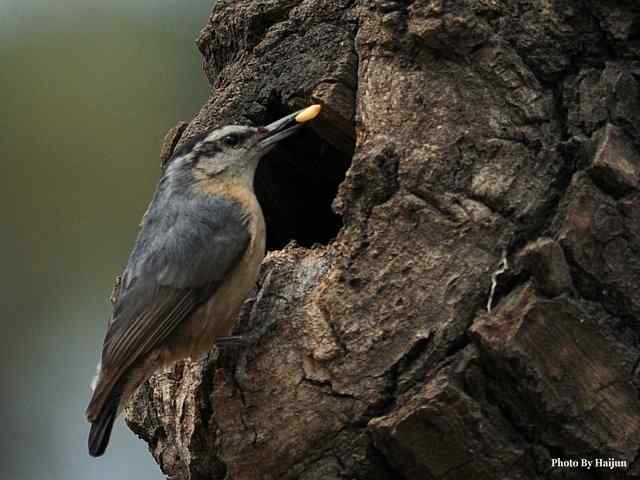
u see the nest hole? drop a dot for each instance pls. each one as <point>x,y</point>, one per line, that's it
<point>296,184</point>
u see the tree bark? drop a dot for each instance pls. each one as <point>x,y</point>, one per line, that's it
<point>477,314</point>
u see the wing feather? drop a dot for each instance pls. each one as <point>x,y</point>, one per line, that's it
<point>177,263</point>
<point>152,325</point>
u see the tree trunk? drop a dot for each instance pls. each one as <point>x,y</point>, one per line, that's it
<point>470,307</point>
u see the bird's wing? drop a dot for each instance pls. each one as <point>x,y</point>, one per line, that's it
<point>180,258</point>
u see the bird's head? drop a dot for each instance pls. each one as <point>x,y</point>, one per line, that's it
<point>232,153</point>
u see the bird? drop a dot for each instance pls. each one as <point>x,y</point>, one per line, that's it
<point>194,261</point>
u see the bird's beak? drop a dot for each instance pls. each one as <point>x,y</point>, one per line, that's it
<point>281,129</point>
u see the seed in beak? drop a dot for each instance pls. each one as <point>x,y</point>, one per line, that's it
<point>308,113</point>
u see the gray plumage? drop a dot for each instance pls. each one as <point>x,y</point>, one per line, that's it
<point>193,262</point>
<point>187,243</point>
<point>178,260</point>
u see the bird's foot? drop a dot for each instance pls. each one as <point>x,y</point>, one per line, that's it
<point>233,341</point>
<point>235,349</point>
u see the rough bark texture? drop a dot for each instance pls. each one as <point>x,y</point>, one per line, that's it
<point>485,142</point>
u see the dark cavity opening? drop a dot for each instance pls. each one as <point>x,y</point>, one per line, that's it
<point>296,184</point>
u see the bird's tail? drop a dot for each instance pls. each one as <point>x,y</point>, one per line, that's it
<point>102,425</point>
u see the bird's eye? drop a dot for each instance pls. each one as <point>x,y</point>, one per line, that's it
<point>231,140</point>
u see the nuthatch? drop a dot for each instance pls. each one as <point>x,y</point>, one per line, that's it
<point>196,257</point>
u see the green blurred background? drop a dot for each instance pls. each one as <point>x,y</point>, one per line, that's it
<point>87,91</point>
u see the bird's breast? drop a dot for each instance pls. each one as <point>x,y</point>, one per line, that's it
<point>216,317</point>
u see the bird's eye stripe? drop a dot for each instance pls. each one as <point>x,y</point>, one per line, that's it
<point>189,145</point>
<point>239,136</point>
<point>231,139</point>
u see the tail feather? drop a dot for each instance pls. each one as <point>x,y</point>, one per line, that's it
<point>101,426</point>
<point>103,387</point>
